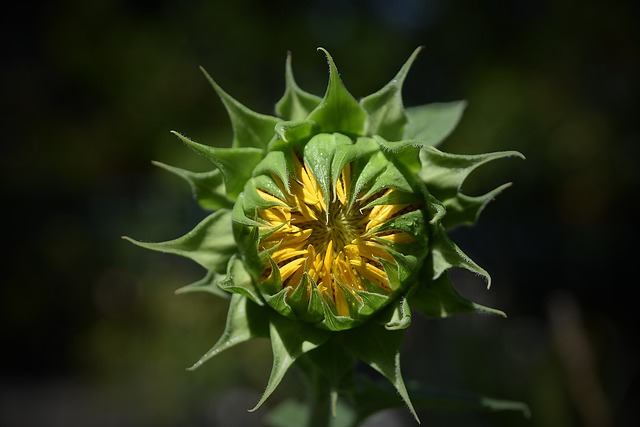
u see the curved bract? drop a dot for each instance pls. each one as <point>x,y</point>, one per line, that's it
<point>330,224</point>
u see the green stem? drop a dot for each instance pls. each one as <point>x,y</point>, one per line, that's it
<point>319,400</point>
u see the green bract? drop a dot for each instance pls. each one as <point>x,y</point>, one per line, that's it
<point>330,226</point>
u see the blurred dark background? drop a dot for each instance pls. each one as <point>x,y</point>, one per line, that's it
<point>91,330</point>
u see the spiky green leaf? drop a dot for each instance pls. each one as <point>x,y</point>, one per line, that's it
<point>295,104</point>
<point>444,173</point>
<point>438,298</point>
<point>239,281</point>
<point>209,283</point>
<point>235,164</point>
<point>385,109</point>
<point>380,349</point>
<point>250,129</point>
<point>245,321</point>
<point>339,111</point>
<point>210,243</point>
<point>290,339</point>
<point>446,255</point>
<point>207,187</point>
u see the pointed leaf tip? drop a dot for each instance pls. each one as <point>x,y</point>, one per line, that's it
<point>250,129</point>
<point>339,111</point>
<point>385,109</point>
<point>210,243</point>
<point>289,340</point>
<point>295,104</point>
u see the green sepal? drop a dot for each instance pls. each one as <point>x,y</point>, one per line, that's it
<point>399,272</point>
<point>365,170</point>
<point>355,303</point>
<point>210,243</point>
<point>385,109</point>
<point>465,210</point>
<point>403,153</point>
<point>207,187</point>
<point>306,300</point>
<point>279,301</point>
<point>292,131</point>
<point>239,281</point>
<point>362,148</point>
<point>295,104</point>
<point>434,208</point>
<point>438,298</point>
<point>432,123</point>
<point>235,164</point>
<point>444,174</point>
<point>272,285</point>
<point>252,199</point>
<point>397,315</point>
<point>380,348</point>
<point>319,153</point>
<point>239,216</point>
<point>389,177</point>
<point>446,255</point>
<point>250,129</point>
<point>245,321</point>
<point>247,238</point>
<point>209,283</point>
<point>394,198</point>
<point>372,301</point>
<point>339,111</point>
<point>411,223</point>
<point>267,184</point>
<point>332,321</point>
<point>290,339</point>
<point>275,163</point>
<point>397,147</point>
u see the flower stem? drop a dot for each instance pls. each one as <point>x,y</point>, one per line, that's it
<point>320,412</point>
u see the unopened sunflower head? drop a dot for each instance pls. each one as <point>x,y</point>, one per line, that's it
<point>332,216</point>
<point>336,236</point>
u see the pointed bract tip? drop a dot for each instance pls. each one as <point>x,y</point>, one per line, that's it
<point>326,53</point>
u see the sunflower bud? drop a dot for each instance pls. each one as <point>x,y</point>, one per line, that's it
<point>331,222</point>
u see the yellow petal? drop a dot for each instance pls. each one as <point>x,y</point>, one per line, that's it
<point>290,268</point>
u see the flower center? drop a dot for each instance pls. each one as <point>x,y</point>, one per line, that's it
<point>339,245</point>
<point>340,225</point>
